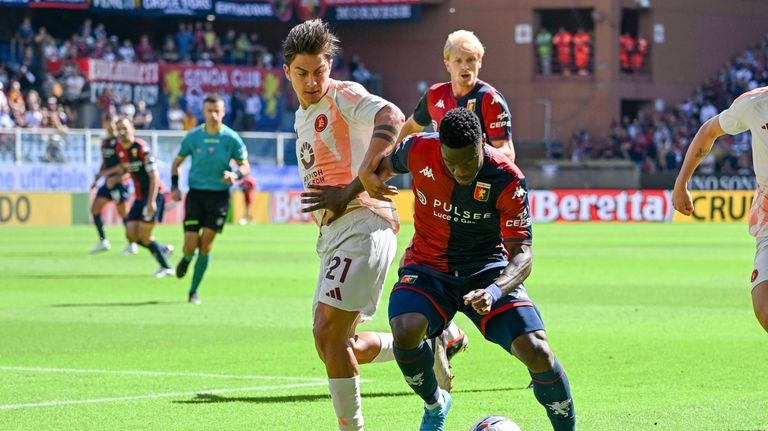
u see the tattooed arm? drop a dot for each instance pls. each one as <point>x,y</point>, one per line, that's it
<point>700,146</point>
<point>386,127</point>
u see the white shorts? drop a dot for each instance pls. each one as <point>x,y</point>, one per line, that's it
<point>355,252</point>
<point>760,271</point>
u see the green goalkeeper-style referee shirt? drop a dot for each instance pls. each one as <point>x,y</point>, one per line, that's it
<point>211,155</point>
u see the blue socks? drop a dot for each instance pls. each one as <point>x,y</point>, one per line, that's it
<point>416,366</point>
<point>552,390</point>
<point>201,264</point>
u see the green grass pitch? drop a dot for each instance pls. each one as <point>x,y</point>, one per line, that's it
<point>653,324</point>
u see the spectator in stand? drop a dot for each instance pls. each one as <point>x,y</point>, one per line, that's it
<point>582,47</point>
<point>209,36</point>
<point>6,122</point>
<point>169,53</point>
<point>126,52</point>
<point>562,42</point>
<point>33,117</point>
<point>544,50</point>
<point>5,77</point>
<point>143,117</point>
<point>253,107</point>
<point>54,116</point>
<point>362,75</point>
<point>25,33</point>
<point>73,83</point>
<point>175,117</point>
<point>257,50</point>
<point>228,45</point>
<point>626,48</point>
<point>707,111</point>
<point>241,49</point>
<point>3,97</point>
<point>16,102</point>
<point>190,120</point>
<point>185,41</point>
<point>199,40</point>
<point>25,74</point>
<point>108,52</point>
<point>637,58</point>
<point>144,51</point>
<point>127,109</point>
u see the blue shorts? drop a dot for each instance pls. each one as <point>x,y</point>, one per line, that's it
<point>118,194</point>
<point>137,210</point>
<point>438,296</point>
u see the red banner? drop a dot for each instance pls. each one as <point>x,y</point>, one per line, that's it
<point>601,205</point>
<point>194,82</point>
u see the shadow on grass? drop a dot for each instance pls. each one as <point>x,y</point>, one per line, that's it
<point>203,398</point>
<point>117,304</point>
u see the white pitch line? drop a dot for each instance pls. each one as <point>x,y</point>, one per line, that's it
<point>152,396</point>
<point>160,373</point>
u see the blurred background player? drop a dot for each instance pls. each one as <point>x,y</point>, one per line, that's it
<point>340,126</point>
<point>748,112</point>
<point>247,186</point>
<point>482,277</point>
<point>136,158</point>
<point>463,58</point>
<point>212,147</point>
<point>114,189</point>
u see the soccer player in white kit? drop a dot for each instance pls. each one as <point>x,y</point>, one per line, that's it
<point>748,112</point>
<point>340,127</point>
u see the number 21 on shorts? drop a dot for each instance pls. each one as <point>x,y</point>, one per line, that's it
<point>338,268</point>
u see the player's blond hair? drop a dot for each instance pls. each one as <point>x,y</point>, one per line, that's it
<point>463,37</point>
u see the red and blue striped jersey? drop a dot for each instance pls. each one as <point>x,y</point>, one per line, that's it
<point>108,153</point>
<point>462,227</point>
<point>139,161</point>
<point>487,103</point>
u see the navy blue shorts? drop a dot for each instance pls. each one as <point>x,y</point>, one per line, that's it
<point>137,210</point>
<point>117,194</point>
<point>438,297</point>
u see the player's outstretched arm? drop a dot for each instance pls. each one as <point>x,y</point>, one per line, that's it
<point>387,124</point>
<point>700,146</point>
<point>506,146</point>
<point>518,269</point>
<point>336,199</point>
<point>410,127</point>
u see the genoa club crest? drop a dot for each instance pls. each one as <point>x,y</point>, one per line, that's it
<point>482,191</point>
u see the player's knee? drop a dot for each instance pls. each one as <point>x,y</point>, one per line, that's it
<point>533,350</point>
<point>408,330</point>
<point>760,303</point>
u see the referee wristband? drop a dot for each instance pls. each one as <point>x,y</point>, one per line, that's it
<point>494,291</point>
<point>175,181</point>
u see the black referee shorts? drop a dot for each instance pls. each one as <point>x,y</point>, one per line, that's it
<point>205,208</point>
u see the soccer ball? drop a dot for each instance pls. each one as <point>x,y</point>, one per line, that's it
<point>495,423</point>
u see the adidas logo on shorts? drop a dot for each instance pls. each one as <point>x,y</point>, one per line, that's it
<point>334,293</point>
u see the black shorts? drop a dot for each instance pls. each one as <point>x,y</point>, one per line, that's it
<point>137,210</point>
<point>438,297</point>
<point>118,194</point>
<point>206,208</point>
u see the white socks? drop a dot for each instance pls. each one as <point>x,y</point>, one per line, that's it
<point>387,352</point>
<point>452,331</point>
<point>345,394</point>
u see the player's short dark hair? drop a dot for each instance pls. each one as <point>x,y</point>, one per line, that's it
<point>213,98</point>
<point>460,128</point>
<point>310,37</point>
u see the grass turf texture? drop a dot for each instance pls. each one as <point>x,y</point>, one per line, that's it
<point>653,324</point>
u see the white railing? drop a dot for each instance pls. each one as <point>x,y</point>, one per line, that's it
<point>81,146</point>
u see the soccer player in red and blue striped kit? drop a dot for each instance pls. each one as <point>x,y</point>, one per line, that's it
<point>471,253</point>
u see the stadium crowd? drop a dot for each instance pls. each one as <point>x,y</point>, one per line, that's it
<point>657,139</point>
